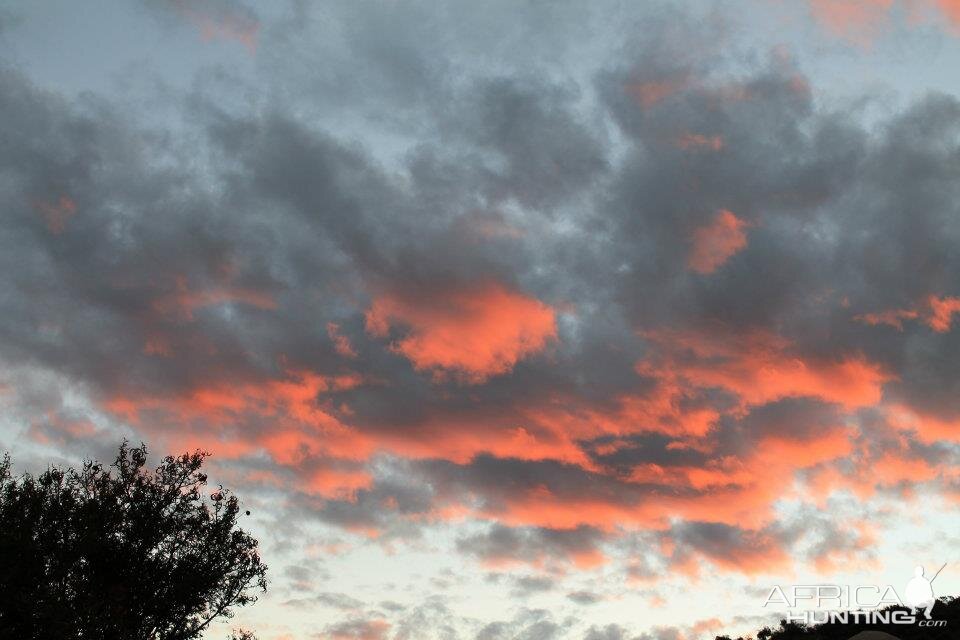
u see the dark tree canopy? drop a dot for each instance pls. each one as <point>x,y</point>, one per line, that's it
<point>121,552</point>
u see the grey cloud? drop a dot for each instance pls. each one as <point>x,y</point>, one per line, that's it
<point>608,632</point>
<point>357,628</point>
<point>431,619</point>
<point>332,600</point>
<point>530,585</point>
<point>530,544</point>
<point>662,633</point>
<point>584,597</point>
<point>527,624</point>
<point>390,605</point>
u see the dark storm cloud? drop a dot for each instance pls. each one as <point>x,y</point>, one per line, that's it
<point>621,454</point>
<point>778,157</point>
<point>796,419</point>
<point>546,155</point>
<point>104,271</point>
<point>499,481</point>
<point>837,218</point>
<point>732,547</point>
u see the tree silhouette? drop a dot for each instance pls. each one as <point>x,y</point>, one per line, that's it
<point>121,552</point>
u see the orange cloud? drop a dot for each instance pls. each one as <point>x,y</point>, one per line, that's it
<point>858,21</point>
<point>473,334</point>
<point>669,407</point>
<point>221,22</point>
<point>55,214</point>
<point>893,318</point>
<point>649,94</point>
<point>302,427</point>
<point>928,428</point>
<point>941,313</point>
<point>459,438</point>
<point>937,313</point>
<point>305,436</point>
<point>56,429</point>
<point>699,141</point>
<point>759,367</point>
<point>804,452</point>
<point>950,10</point>
<point>759,554</point>
<point>341,343</point>
<point>708,625</point>
<point>756,368</point>
<point>894,467</point>
<point>861,21</point>
<point>714,243</point>
<point>489,226</point>
<point>358,630</point>
<point>744,498</point>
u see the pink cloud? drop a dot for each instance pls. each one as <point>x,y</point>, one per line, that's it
<point>472,334</point>
<point>715,242</point>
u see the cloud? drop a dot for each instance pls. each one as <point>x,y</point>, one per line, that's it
<point>858,21</point>
<point>936,312</point>
<point>56,214</point>
<point>761,368</point>
<point>862,22</point>
<point>575,318</point>
<point>341,342</point>
<point>229,20</point>
<point>714,243</point>
<point>356,629</point>
<point>584,597</point>
<point>475,333</point>
<point>608,632</point>
<point>730,548</point>
<point>333,600</point>
<point>651,93</point>
<point>525,586</point>
<point>699,141</point>
<point>184,301</point>
<point>951,10</point>
<point>528,624</point>
<point>499,546</point>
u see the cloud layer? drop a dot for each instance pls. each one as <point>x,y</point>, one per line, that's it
<point>607,319</point>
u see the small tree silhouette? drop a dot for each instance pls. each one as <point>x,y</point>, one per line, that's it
<point>122,552</point>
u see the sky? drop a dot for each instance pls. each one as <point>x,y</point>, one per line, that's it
<point>507,319</point>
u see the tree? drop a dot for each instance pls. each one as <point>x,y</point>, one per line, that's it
<point>121,552</point>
